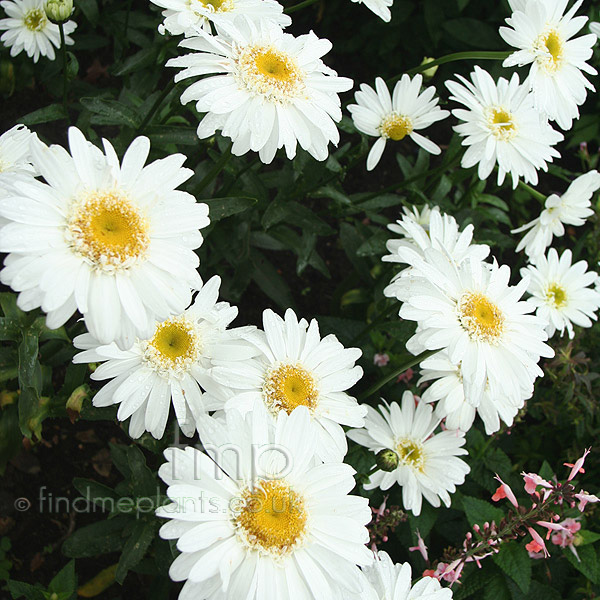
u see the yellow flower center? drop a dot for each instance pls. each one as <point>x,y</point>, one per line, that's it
<point>501,124</point>
<point>411,454</point>
<point>550,50</point>
<point>289,386</point>
<point>556,295</point>
<point>35,20</point>
<point>481,318</point>
<point>174,347</point>
<point>396,127</point>
<point>271,517</point>
<point>269,72</point>
<point>217,5</point>
<point>107,229</point>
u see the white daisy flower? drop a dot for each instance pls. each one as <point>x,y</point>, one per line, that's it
<point>421,216</point>
<point>398,116</point>
<point>448,391</point>
<point>185,16</point>
<point>114,241</point>
<point>266,524</point>
<point>295,367</point>
<point>473,312</point>
<point>424,465</point>
<point>595,29</point>
<point>543,34</point>
<point>391,581</point>
<point>502,127</point>
<point>442,233</point>
<point>380,7</point>
<point>28,28</point>
<point>572,208</point>
<point>271,90</point>
<point>14,152</point>
<point>169,367</point>
<point>561,292</point>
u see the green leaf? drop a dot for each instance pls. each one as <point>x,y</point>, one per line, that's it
<point>514,560</point>
<point>173,134</point>
<point>90,9</point>
<point>139,60</point>
<point>498,462</point>
<point>18,589</point>
<point>72,66</point>
<point>100,495</point>
<point>111,112</point>
<point>267,278</point>
<point>479,511</point>
<point>53,112</point>
<point>10,435</point>
<point>588,562</point>
<point>496,589</point>
<point>8,302</point>
<point>220,208</point>
<point>65,581</point>
<point>135,548</point>
<point>142,479</point>
<point>10,329</point>
<point>538,591</point>
<point>587,537</point>
<point>102,537</point>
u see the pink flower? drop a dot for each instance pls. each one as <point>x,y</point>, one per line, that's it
<point>406,376</point>
<point>584,498</point>
<point>421,547</point>
<point>550,527</point>
<point>381,360</point>
<point>539,541</point>
<point>533,548</point>
<point>532,480</point>
<point>504,491</point>
<point>578,466</point>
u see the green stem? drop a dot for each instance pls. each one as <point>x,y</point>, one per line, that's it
<point>295,7</point>
<point>407,365</point>
<point>477,55</point>
<point>219,166</point>
<point>63,51</point>
<point>155,107</point>
<point>534,193</point>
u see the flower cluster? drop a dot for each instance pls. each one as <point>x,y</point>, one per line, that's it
<point>549,499</point>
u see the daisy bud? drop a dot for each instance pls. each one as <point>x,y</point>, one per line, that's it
<point>429,73</point>
<point>386,460</point>
<point>59,10</point>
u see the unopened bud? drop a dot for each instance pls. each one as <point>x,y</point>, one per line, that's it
<point>59,10</point>
<point>386,460</point>
<point>429,73</point>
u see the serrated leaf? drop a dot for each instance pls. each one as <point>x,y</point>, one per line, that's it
<point>587,563</point>
<point>19,589</point>
<point>479,511</point>
<point>514,560</point>
<point>496,589</point>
